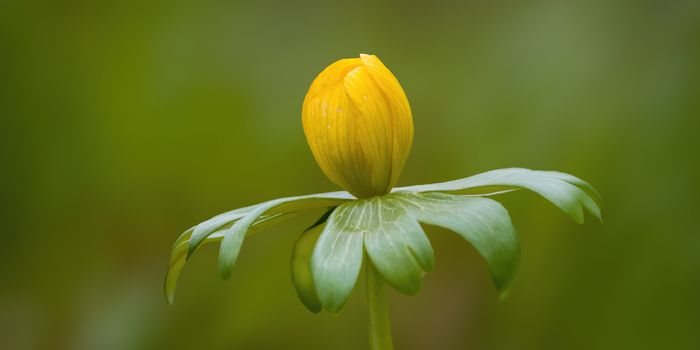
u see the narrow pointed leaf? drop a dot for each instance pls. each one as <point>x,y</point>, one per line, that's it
<point>233,239</point>
<point>567,192</point>
<point>178,256</point>
<point>183,237</point>
<point>585,186</point>
<point>298,203</point>
<point>205,228</point>
<point>177,262</point>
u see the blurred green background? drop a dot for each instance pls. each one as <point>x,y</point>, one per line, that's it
<point>125,122</point>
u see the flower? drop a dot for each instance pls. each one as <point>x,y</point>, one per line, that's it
<point>358,123</point>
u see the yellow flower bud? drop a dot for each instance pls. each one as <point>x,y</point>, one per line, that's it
<point>358,123</point>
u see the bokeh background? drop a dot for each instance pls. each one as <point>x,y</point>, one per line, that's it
<point>125,122</point>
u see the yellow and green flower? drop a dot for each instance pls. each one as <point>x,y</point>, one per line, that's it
<point>358,123</point>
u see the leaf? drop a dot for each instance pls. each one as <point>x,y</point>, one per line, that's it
<point>183,237</point>
<point>567,192</point>
<point>483,222</point>
<point>387,228</point>
<point>395,243</point>
<point>337,258</point>
<point>298,203</point>
<point>205,228</point>
<point>233,238</point>
<point>578,182</point>
<point>301,267</point>
<point>178,256</point>
<point>392,238</point>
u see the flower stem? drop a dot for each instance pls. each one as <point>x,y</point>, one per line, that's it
<point>379,325</point>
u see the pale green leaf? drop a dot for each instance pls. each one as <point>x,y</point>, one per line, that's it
<point>337,258</point>
<point>233,238</point>
<point>178,255</point>
<point>205,228</point>
<point>387,228</point>
<point>395,242</point>
<point>567,192</point>
<point>289,204</point>
<point>481,221</point>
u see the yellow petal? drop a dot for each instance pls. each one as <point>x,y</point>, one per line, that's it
<point>358,124</point>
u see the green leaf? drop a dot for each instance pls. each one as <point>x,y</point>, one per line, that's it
<point>298,203</point>
<point>233,238</point>
<point>301,267</point>
<point>393,239</point>
<point>216,228</point>
<point>578,182</point>
<point>483,222</point>
<point>178,257</point>
<point>388,229</point>
<point>395,243</point>
<point>204,229</point>
<point>183,237</point>
<point>567,192</point>
<point>337,257</point>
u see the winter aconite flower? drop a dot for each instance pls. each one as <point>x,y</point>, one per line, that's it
<point>358,124</point>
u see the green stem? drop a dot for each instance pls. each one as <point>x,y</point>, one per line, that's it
<point>379,325</point>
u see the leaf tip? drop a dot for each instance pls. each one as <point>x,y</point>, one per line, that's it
<point>503,294</point>
<point>332,305</point>
<point>170,298</point>
<point>225,268</point>
<point>225,273</point>
<point>333,310</point>
<point>598,214</point>
<point>168,290</point>
<point>314,309</point>
<point>414,289</point>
